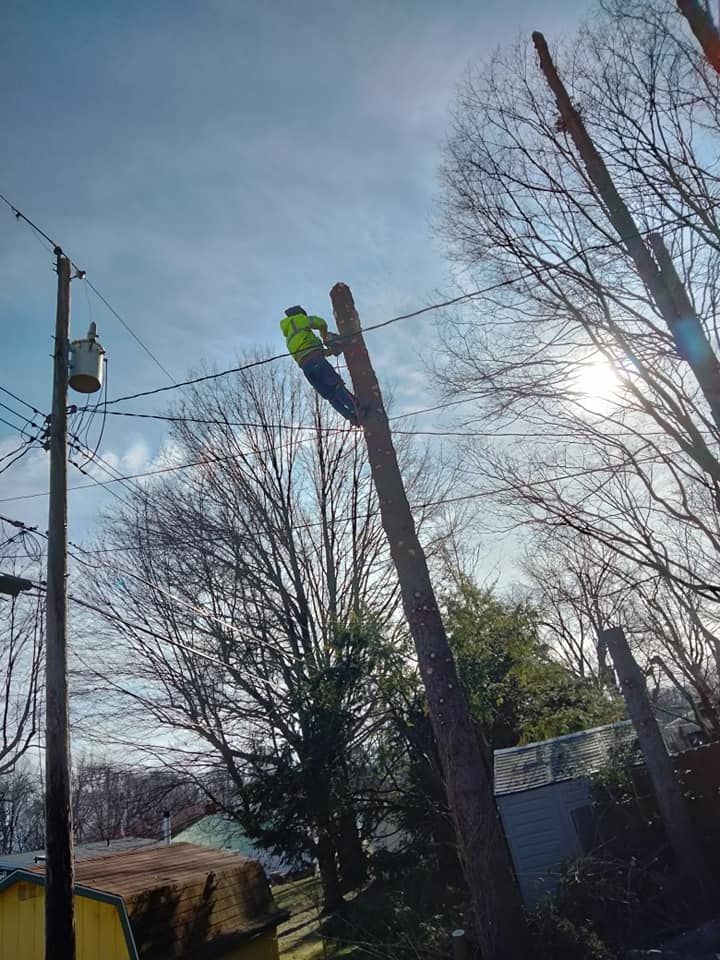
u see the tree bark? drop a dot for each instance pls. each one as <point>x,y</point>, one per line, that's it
<point>329,877</point>
<point>659,277</point>
<point>351,855</point>
<point>704,29</point>
<point>671,803</point>
<point>497,907</point>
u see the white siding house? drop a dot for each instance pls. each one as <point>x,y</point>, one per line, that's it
<point>543,792</point>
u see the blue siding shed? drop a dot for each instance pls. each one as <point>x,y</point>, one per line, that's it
<point>543,793</point>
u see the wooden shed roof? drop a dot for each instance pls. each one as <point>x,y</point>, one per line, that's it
<point>135,871</point>
<point>183,897</point>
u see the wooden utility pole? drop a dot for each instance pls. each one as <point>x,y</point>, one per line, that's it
<point>59,906</point>
<point>671,803</point>
<point>658,275</point>
<point>706,33</point>
<point>498,912</point>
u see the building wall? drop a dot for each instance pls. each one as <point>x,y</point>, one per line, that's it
<point>262,947</point>
<point>542,833</point>
<point>22,926</point>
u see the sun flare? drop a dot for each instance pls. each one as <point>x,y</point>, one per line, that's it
<point>596,384</point>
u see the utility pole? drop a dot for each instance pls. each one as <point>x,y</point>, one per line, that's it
<point>659,274</point>
<point>671,803</point>
<point>59,868</point>
<point>497,907</point>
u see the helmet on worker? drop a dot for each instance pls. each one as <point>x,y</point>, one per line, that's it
<point>294,311</point>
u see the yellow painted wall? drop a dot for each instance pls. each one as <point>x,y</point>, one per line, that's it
<point>22,926</point>
<point>264,947</point>
<point>98,928</point>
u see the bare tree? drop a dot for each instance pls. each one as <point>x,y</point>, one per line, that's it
<point>581,588</point>
<point>22,817</point>
<point>113,800</point>
<point>249,607</point>
<point>678,633</point>
<point>21,661</point>
<point>579,593</point>
<point>631,463</point>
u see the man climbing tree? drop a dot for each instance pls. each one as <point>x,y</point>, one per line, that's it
<point>306,348</point>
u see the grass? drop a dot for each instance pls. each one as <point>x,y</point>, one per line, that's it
<point>300,937</point>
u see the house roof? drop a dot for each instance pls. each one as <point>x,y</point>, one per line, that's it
<point>569,757</point>
<point>221,833</point>
<point>83,851</point>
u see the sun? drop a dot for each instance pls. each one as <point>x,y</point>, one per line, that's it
<point>596,385</point>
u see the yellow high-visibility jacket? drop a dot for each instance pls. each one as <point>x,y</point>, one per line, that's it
<point>299,336</point>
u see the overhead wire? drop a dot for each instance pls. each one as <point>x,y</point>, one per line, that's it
<point>25,403</point>
<point>19,215</point>
<point>442,501</point>
<point>25,528</point>
<point>284,355</point>
<point>130,330</point>
<point>13,456</point>
<point>17,453</point>
<point>208,461</point>
<point>94,454</point>
<point>451,301</point>
<point>26,421</point>
<point>163,470</point>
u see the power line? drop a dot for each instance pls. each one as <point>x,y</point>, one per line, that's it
<point>17,453</point>
<point>130,330</point>
<point>163,470</point>
<point>282,356</point>
<point>24,528</point>
<point>18,399</point>
<point>26,422</point>
<point>443,501</point>
<point>179,602</point>
<point>13,426</point>
<point>19,215</point>
<point>187,648</point>
<point>249,424</point>
<point>452,301</point>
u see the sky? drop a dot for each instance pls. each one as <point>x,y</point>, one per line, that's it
<point>209,164</point>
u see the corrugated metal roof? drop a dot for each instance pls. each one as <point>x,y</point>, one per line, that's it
<point>83,851</point>
<point>562,758</point>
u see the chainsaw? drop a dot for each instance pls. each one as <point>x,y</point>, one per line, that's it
<point>334,345</point>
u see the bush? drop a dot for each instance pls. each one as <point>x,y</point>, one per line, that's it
<point>409,918</point>
<point>558,938</point>
<point>630,903</point>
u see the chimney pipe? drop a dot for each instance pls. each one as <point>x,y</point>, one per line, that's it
<point>167,832</point>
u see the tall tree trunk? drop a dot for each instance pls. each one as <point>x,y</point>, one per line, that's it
<point>659,274</point>
<point>671,803</point>
<point>704,29</point>
<point>351,855</point>
<point>317,792</point>
<point>499,918</point>
<point>329,876</point>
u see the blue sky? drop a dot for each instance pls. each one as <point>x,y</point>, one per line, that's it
<point>209,164</point>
